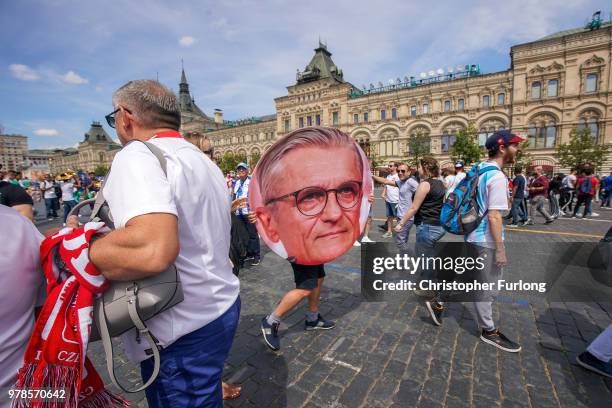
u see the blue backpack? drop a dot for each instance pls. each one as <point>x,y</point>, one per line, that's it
<point>460,211</point>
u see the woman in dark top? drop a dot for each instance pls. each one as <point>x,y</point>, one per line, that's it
<point>426,208</point>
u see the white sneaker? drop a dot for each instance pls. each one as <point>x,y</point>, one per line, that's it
<point>594,214</point>
<point>387,235</point>
<point>356,244</point>
<point>561,213</point>
<point>366,239</point>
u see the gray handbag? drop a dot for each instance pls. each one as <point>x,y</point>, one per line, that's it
<point>128,304</point>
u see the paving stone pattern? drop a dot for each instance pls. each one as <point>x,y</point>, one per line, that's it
<point>391,355</point>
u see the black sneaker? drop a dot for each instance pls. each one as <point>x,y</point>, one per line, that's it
<point>319,324</point>
<point>549,220</point>
<point>497,339</point>
<point>270,334</point>
<point>256,261</point>
<point>249,257</point>
<point>590,362</point>
<point>435,311</point>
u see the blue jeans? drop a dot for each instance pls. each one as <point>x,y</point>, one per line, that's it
<point>192,367</point>
<point>68,205</point>
<point>50,206</point>
<point>401,238</point>
<point>426,238</point>
<point>517,211</point>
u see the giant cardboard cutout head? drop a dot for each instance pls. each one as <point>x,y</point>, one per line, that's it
<point>310,193</point>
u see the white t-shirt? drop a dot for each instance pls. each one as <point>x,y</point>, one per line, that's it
<point>492,195</point>
<point>194,191</point>
<point>454,182</point>
<point>50,192</point>
<point>392,195</point>
<point>67,190</point>
<point>21,289</point>
<point>241,190</point>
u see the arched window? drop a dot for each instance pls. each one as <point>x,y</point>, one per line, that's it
<point>590,120</point>
<point>501,98</point>
<point>542,132</point>
<point>449,136</point>
<point>413,111</point>
<point>536,88</point>
<point>383,114</point>
<point>487,128</point>
<point>393,113</point>
<point>425,108</point>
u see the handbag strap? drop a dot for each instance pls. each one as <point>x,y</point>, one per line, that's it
<point>132,298</point>
<point>132,305</point>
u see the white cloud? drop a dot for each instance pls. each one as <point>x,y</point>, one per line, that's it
<point>72,77</point>
<point>46,132</point>
<point>23,72</point>
<point>186,41</point>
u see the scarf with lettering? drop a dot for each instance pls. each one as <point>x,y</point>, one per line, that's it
<point>56,356</point>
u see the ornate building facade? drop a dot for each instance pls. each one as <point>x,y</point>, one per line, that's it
<point>554,85</point>
<point>96,149</point>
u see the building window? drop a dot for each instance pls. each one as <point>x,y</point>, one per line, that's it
<point>425,108</point>
<point>552,87</point>
<point>485,101</point>
<point>460,104</point>
<point>482,137</point>
<point>365,117</point>
<point>501,99</point>
<point>335,118</point>
<point>393,113</point>
<point>308,120</point>
<point>535,90</point>
<point>413,111</point>
<point>287,125</point>
<point>542,135</point>
<point>590,123</point>
<point>318,120</point>
<point>591,82</point>
<point>446,106</point>
<point>448,139</point>
<point>301,122</point>
<point>355,118</point>
<point>383,114</point>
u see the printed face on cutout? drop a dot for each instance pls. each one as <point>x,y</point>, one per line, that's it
<point>314,227</point>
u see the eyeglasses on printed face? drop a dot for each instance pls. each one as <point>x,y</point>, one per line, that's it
<point>311,201</point>
<point>110,118</point>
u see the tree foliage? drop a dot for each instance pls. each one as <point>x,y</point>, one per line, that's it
<point>419,145</point>
<point>466,146</point>
<point>101,170</point>
<point>582,148</point>
<point>254,159</point>
<point>228,162</point>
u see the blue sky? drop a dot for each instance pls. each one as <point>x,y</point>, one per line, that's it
<point>61,60</point>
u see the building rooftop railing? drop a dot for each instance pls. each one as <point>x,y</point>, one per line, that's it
<point>466,72</point>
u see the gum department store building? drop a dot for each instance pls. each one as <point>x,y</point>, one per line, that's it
<point>554,85</point>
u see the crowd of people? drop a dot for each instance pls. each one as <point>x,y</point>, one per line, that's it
<point>184,214</point>
<point>61,192</point>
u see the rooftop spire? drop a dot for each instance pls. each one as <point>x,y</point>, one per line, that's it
<point>183,77</point>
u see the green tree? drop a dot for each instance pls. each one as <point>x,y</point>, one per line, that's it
<point>254,159</point>
<point>582,148</point>
<point>101,170</point>
<point>228,162</point>
<point>419,145</point>
<point>466,146</point>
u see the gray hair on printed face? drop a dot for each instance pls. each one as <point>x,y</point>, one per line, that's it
<point>152,104</point>
<point>269,168</point>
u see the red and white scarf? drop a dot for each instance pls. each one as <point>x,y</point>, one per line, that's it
<point>56,357</point>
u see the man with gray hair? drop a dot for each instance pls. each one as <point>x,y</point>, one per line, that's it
<point>179,216</point>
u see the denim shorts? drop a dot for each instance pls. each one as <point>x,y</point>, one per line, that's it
<point>391,209</point>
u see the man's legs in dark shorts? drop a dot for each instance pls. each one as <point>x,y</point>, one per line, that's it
<point>308,283</point>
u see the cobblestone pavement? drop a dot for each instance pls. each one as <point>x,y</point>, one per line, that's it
<point>390,354</point>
